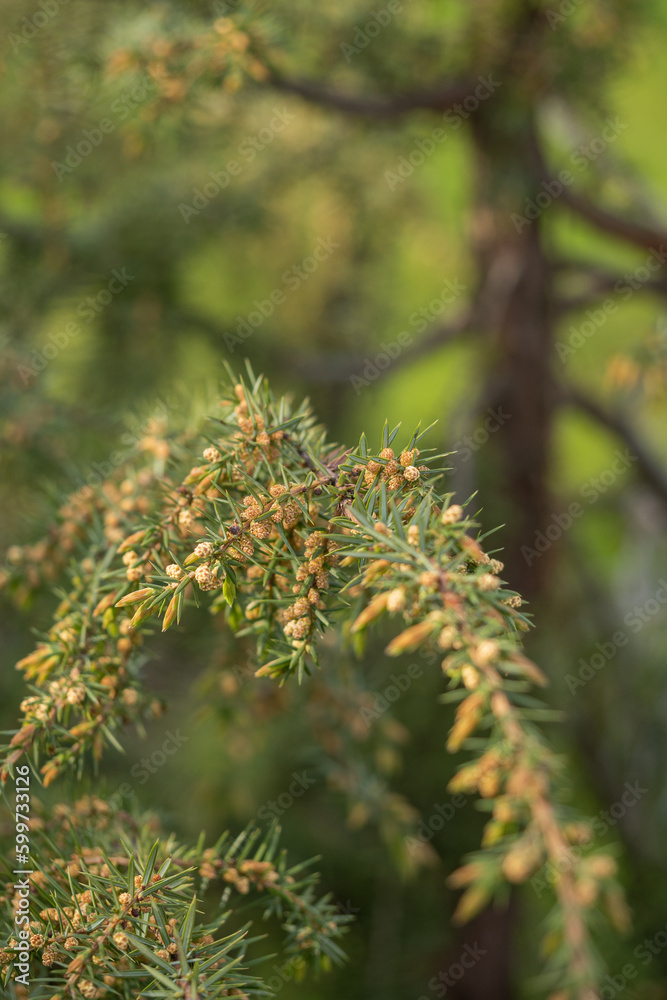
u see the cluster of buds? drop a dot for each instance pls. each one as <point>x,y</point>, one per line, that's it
<point>206,577</point>
<point>85,916</point>
<point>395,473</point>
<point>340,527</point>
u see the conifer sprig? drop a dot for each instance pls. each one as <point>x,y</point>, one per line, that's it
<point>293,536</point>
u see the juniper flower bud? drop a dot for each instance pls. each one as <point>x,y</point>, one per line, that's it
<point>174,571</point>
<point>487,581</point>
<point>452,514</point>
<point>186,517</point>
<point>413,534</point>
<point>203,550</point>
<point>486,652</point>
<point>412,473</point>
<point>204,577</point>
<point>76,694</point>
<point>212,454</point>
<point>259,529</point>
<point>430,580</point>
<point>469,676</point>
<point>301,607</point>
<point>447,637</point>
<point>396,600</point>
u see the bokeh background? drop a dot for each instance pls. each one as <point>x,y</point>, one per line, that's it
<point>391,176</point>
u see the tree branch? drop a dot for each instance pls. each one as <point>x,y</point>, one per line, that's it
<point>372,106</point>
<point>646,237</point>
<point>653,474</point>
<point>340,368</point>
<point>604,281</point>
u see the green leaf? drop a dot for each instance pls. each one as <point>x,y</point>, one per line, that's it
<point>150,863</point>
<point>229,590</point>
<point>189,923</point>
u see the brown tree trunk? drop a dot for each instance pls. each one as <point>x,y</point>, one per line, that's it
<point>514,315</point>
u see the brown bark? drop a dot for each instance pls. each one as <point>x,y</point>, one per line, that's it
<point>515,280</point>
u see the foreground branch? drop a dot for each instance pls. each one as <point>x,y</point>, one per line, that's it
<point>289,533</point>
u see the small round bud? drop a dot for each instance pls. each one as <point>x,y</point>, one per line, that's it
<point>470,677</point>
<point>186,517</point>
<point>174,571</point>
<point>487,651</point>
<point>396,600</point>
<point>412,473</point>
<point>447,637</point>
<point>203,550</point>
<point>452,514</point>
<point>204,577</point>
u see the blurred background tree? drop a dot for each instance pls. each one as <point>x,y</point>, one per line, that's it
<point>423,210</point>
